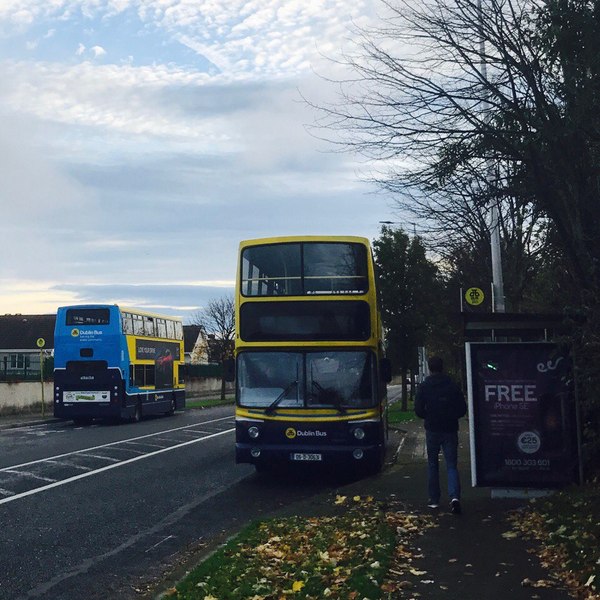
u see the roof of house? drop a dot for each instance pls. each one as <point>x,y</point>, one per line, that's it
<point>190,336</point>
<point>21,332</point>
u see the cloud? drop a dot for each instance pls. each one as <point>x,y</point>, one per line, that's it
<point>134,182</point>
<point>183,299</point>
<point>98,51</point>
<point>272,38</point>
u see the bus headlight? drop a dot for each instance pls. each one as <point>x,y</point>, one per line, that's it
<point>357,453</point>
<point>255,452</point>
<point>359,433</point>
<point>253,432</point>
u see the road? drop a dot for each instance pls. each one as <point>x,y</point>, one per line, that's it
<point>105,511</point>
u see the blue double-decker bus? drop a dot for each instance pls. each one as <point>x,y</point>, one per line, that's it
<point>116,363</point>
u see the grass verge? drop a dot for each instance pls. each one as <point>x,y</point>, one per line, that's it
<point>397,415</point>
<point>566,525</point>
<point>343,556</point>
<point>208,402</point>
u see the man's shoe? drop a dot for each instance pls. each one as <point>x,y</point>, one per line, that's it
<point>432,504</point>
<point>455,506</point>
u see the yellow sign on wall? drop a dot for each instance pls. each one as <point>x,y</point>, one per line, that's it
<point>41,342</point>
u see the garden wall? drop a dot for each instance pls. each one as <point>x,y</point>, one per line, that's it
<point>26,396</point>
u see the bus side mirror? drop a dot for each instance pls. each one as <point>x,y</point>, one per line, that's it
<point>229,369</point>
<point>385,367</point>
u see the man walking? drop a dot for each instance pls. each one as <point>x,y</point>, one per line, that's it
<point>441,403</point>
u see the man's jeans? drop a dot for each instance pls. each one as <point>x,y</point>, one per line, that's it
<point>448,442</point>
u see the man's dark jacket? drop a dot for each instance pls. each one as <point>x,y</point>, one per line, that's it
<point>440,402</point>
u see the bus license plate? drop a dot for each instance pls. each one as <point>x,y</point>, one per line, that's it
<point>305,456</point>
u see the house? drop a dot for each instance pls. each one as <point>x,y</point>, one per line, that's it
<point>194,345</point>
<point>19,349</point>
<point>20,354</point>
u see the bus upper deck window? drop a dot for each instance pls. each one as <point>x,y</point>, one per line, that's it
<point>272,270</point>
<point>149,327</point>
<point>161,328</point>
<point>127,321</point>
<point>170,329</point>
<point>138,325</point>
<point>331,268</point>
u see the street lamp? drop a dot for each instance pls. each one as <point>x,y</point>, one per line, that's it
<point>497,278</point>
<point>399,223</point>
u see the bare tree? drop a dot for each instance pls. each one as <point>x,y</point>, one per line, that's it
<point>468,104</point>
<point>217,321</point>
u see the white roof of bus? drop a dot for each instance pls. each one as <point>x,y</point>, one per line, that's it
<point>128,309</point>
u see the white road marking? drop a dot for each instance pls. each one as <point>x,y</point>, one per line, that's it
<point>64,463</point>
<point>112,444</point>
<point>197,431</point>
<point>159,543</point>
<point>108,467</point>
<point>126,449</point>
<point>145,444</point>
<point>108,458</point>
<point>167,439</point>
<point>28,474</point>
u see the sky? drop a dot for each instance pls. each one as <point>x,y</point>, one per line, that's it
<point>141,140</point>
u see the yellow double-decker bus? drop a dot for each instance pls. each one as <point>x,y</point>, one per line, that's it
<point>310,372</point>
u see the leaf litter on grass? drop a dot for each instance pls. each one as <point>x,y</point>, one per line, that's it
<point>363,551</point>
<point>565,528</point>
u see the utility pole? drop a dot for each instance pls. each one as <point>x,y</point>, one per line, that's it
<point>494,226</point>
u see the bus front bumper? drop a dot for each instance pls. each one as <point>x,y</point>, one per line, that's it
<point>273,455</point>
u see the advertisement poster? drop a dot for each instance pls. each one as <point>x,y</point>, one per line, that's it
<point>163,354</point>
<point>522,415</point>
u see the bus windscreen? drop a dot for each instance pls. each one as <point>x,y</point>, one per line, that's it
<point>88,316</point>
<point>297,269</point>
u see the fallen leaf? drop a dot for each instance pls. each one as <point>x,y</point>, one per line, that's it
<point>417,573</point>
<point>296,586</point>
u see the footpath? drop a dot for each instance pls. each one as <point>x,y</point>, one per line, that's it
<point>465,556</point>
<point>26,419</point>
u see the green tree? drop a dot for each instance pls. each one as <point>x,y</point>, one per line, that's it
<point>408,292</point>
